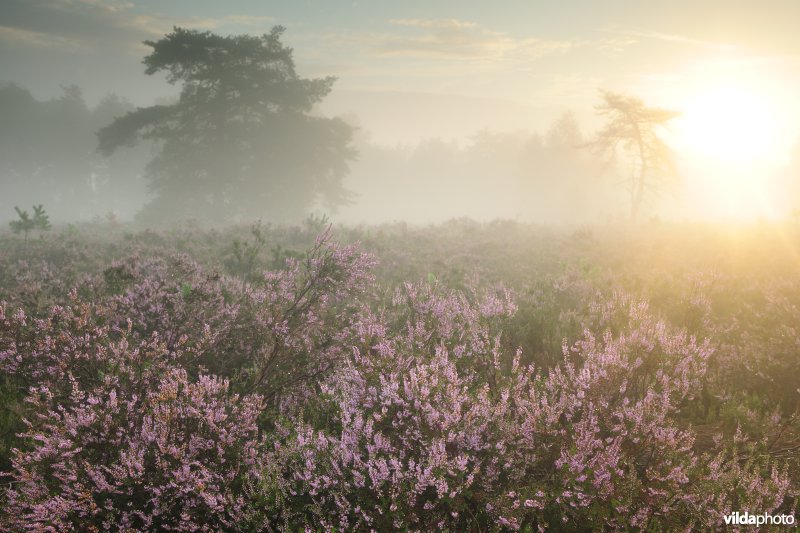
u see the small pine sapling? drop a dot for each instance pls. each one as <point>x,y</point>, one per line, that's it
<point>26,223</point>
<point>244,254</point>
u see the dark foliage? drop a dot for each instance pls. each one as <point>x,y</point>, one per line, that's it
<point>241,140</point>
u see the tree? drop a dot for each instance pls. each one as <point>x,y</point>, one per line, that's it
<point>633,128</point>
<point>47,155</point>
<point>241,140</point>
<point>45,148</point>
<point>25,223</point>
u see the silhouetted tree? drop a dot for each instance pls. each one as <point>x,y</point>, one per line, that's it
<point>565,133</point>
<point>241,139</point>
<point>47,154</point>
<point>633,128</point>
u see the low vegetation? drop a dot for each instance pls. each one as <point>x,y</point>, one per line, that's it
<point>389,377</point>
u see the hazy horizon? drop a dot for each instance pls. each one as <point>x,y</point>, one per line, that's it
<point>414,74</point>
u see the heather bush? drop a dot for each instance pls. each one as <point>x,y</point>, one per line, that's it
<point>273,335</point>
<point>156,384</point>
<point>144,449</point>
<point>761,353</point>
<point>396,439</point>
<point>421,438</point>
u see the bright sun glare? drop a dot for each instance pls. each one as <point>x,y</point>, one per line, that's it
<point>729,124</point>
<point>729,134</point>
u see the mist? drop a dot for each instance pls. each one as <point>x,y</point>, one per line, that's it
<point>433,119</point>
<point>549,179</point>
<point>550,176</point>
<point>384,266</point>
<point>51,157</point>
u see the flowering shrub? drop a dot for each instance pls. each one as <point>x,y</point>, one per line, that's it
<point>162,394</point>
<point>418,439</point>
<point>405,433</point>
<point>117,435</point>
<point>270,336</point>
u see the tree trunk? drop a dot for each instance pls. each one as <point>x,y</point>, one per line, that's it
<point>638,186</point>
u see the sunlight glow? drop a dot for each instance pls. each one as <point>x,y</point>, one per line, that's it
<point>730,139</point>
<point>729,124</point>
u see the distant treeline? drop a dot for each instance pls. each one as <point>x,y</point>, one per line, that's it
<point>546,178</point>
<point>245,140</point>
<point>48,155</point>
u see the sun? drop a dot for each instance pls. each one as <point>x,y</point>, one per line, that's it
<point>729,138</point>
<point>728,123</point>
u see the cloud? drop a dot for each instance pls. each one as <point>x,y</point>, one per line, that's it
<point>110,6</point>
<point>680,39</point>
<point>33,39</point>
<point>249,20</point>
<point>449,39</point>
<point>84,26</point>
<point>446,24</point>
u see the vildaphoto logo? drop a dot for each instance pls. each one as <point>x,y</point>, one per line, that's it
<point>747,519</point>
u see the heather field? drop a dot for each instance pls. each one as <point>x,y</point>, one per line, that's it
<point>458,377</point>
<point>413,266</point>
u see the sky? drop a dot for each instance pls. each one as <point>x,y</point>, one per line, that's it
<point>446,69</point>
<point>417,69</point>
